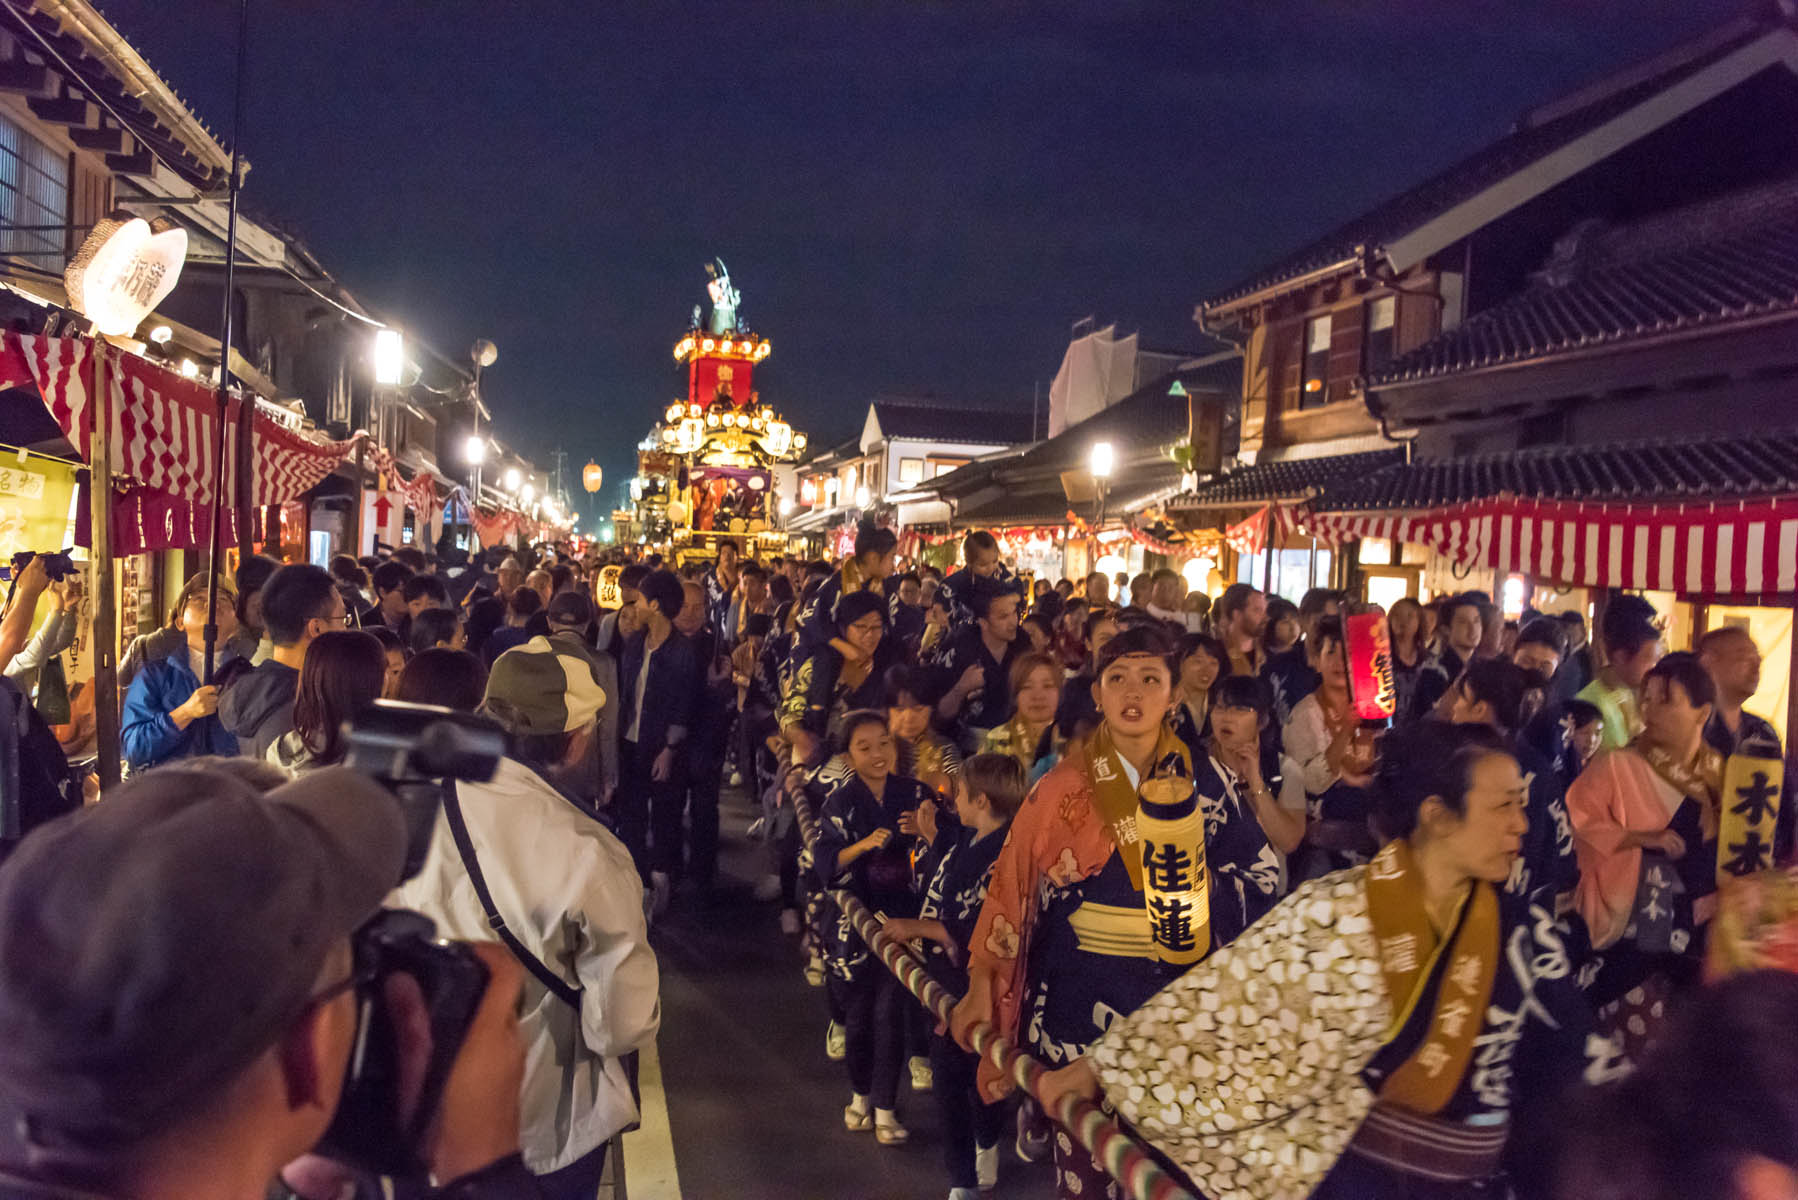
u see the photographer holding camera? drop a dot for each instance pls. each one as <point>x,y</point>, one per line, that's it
<point>181,998</point>
<point>515,857</point>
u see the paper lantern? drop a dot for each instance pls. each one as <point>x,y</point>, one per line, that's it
<point>1175,883</point>
<point>122,271</point>
<point>1371,683</point>
<point>592,476</point>
<point>611,595</point>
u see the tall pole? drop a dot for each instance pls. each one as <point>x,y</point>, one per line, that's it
<point>106,618</point>
<point>214,561</point>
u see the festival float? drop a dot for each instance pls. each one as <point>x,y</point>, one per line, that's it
<point>707,469</point>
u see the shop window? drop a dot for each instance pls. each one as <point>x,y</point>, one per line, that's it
<point>34,191</point>
<point>911,470</point>
<point>1314,391</point>
<point>1380,337</point>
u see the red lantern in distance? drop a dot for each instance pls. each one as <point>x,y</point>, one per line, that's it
<point>1371,684</point>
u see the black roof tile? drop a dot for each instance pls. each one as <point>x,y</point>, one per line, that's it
<point>1284,480</point>
<point>1722,468</point>
<point>1480,170</point>
<point>1707,265</point>
<point>947,423</point>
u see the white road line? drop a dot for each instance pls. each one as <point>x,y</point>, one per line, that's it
<point>649,1170</point>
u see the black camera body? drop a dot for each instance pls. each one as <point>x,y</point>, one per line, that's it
<point>410,749</point>
<point>57,563</point>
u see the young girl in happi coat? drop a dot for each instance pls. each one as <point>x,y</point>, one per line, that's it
<point>1363,1039</point>
<point>861,848</point>
<point>988,792</point>
<point>1112,882</point>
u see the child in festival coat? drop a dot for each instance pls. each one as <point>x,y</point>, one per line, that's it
<point>988,792</point>
<point>860,848</point>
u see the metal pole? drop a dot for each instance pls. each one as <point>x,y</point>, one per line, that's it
<point>214,563</point>
<point>106,618</point>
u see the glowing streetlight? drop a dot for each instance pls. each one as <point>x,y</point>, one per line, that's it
<point>1102,460</point>
<point>1101,463</point>
<point>475,449</point>
<point>527,493</point>
<point>390,357</point>
<point>861,497</point>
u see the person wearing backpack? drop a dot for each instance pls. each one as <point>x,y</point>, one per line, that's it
<point>514,858</point>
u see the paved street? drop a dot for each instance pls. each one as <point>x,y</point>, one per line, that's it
<point>755,1107</point>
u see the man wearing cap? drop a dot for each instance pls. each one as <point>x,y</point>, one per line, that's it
<point>176,990</point>
<point>567,890</point>
<point>570,614</point>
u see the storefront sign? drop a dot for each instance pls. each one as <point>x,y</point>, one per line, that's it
<point>25,485</point>
<point>123,270</point>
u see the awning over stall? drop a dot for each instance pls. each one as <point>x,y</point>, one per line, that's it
<point>1713,551</point>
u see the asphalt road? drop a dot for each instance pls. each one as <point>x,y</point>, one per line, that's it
<point>754,1106</point>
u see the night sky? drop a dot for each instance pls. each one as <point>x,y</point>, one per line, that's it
<point>913,197</point>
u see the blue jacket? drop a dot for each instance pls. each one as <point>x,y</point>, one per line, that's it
<point>147,731</point>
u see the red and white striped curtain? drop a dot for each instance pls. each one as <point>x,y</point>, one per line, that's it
<point>1251,536</point>
<point>164,435</point>
<point>1730,550</point>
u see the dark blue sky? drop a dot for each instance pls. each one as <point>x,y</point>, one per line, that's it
<point>913,197</point>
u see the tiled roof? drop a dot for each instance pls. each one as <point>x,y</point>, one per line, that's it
<point>1285,480</point>
<point>946,423</point>
<point>1516,151</point>
<point>1723,468</point>
<point>1722,261</point>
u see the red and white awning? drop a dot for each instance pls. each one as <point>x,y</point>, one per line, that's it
<point>164,435</point>
<point>1701,550</point>
<point>1250,536</point>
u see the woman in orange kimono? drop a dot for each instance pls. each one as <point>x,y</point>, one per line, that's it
<point>1647,821</point>
<point>1089,912</point>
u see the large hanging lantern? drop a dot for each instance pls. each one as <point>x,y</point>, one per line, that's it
<point>592,477</point>
<point>1371,683</point>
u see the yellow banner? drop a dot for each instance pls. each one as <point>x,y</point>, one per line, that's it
<point>34,504</point>
<point>1749,810</point>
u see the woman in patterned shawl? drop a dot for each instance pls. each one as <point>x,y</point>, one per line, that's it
<point>1363,1038</point>
<point>1078,929</point>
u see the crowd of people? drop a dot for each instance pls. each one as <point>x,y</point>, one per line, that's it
<point>1147,835</point>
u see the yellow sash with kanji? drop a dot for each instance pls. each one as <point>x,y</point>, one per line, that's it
<point>1700,780</point>
<point>1748,811</point>
<point>1118,805</point>
<point>1411,955</point>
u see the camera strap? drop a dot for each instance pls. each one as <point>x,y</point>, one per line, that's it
<point>558,987</point>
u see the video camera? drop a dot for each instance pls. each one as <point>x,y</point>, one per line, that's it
<point>411,749</point>
<point>57,563</point>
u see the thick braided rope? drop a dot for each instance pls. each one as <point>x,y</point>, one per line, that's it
<point>1111,1147</point>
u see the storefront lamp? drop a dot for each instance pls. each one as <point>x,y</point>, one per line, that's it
<point>390,357</point>
<point>1101,461</point>
<point>475,449</point>
<point>161,335</point>
<point>861,497</point>
<point>190,368</point>
<point>527,493</point>
<point>513,479</point>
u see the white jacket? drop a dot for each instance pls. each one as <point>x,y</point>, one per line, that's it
<point>569,892</point>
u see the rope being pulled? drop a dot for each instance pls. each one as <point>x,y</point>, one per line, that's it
<point>1111,1147</point>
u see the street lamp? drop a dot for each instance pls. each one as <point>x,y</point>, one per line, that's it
<point>475,449</point>
<point>1101,463</point>
<point>482,354</point>
<point>390,357</point>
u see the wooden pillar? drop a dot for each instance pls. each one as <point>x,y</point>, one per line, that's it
<point>106,617</point>
<point>356,505</point>
<point>244,500</point>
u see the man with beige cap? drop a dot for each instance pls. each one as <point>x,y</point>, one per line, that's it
<point>515,858</point>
